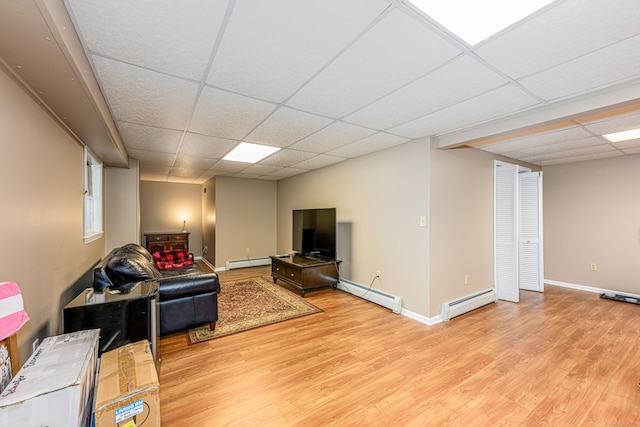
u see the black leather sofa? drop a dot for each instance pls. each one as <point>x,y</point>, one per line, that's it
<point>188,296</point>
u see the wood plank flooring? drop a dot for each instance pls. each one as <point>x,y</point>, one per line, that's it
<point>562,358</point>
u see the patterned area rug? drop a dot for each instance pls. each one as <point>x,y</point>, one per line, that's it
<point>250,303</point>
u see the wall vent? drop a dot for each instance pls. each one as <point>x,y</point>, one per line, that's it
<point>471,302</point>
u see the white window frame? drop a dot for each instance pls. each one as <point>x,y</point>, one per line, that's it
<point>92,207</point>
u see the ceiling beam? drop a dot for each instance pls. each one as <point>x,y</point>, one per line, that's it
<point>602,103</point>
<point>104,140</point>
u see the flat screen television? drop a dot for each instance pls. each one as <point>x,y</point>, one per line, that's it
<point>314,232</point>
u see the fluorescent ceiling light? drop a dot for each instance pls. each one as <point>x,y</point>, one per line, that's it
<point>473,20</point>
<point>249,153</point>
<point>623,136</point>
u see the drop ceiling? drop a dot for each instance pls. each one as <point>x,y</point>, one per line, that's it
<point>178,84</point>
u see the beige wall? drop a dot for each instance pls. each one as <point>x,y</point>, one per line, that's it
<point>164,204</point>
<point>41,186</point>
<point>245,217</point>
<point>379,199</point>
<point>209,220</point>
<point>122,219</point>
<point>461,223</point>
<point>592,215</point>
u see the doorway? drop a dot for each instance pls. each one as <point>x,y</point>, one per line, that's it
<point>518,245</point>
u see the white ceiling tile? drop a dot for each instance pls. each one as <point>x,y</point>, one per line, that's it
<point>538,140</point>
<point>200,163</point>
<point>368,145</point>
<point>208,174</point>
<point>333,136</point>
<point>558,147</point>
<point>158,171</point>
<point>206,146</point>
<point>318,161</point>
<point>287,172</point>
<point>270,49</point>
<point>261,169</point>
<point>567,30</point>
<point>141,96</point>
<point>149,138</point>
<point>321,79</point>
<point>615,124</point>
<point>395,52</point>
<point>579,158</point>
<point>571,153</point>
<point>227,115</point>
<point>496,103</point>
<point>635,150</point>
<point>171,37</point>
<point>229,166</point>
<point>186,172</point>
<point>152,158</point>
<point>286,157</point>
<point>425,95</point>
<point>286,126</point>
<point>628,145</point>
<point>605,67</point>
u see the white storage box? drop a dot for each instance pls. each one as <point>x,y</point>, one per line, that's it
<point>55,386</point>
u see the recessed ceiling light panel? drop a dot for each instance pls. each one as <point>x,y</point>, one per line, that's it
<point>623,136</point>
<point>250,153</point>
<point>474,21</point>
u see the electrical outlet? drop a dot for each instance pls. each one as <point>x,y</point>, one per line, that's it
<point>247,251</point>
<point>466,279</point>
<point>378,273</point>
<point>593,266</point>
<point>35,345</point>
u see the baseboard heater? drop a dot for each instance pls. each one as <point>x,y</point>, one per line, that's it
<point>471,302</point>
<point>242,263</point>
<point>389,301</point>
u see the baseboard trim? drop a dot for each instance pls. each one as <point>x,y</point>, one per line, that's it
<point>586,288</point>
<point>429,321</point>
<point>211,266</point>
<point>384,299</point>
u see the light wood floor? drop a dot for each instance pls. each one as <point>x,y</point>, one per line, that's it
<point>562,358</point>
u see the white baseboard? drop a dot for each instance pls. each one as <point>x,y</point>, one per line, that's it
<point>392,302</point>
<point>587,288</point>
<point>429,321</point>
<point>249,262</point>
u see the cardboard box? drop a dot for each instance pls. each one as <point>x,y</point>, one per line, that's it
<point>55,386</point>
<point>128,388</point>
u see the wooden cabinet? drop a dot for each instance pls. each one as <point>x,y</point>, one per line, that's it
<point>178,241</point>
<point>305,273</point>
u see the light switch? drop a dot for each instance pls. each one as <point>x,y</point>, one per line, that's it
<point>423,221</point>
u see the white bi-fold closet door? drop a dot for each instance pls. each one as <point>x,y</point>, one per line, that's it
<point>518,250</point>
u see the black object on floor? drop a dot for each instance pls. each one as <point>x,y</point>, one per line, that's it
<point>623,298</point>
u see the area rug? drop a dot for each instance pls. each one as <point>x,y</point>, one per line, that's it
<point>251,303</point>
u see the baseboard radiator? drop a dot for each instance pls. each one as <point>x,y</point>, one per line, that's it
<point>471,302</point>
<point>384,299</point>
<point>242,263</point>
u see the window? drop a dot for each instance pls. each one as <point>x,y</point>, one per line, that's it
<point>92,197</point>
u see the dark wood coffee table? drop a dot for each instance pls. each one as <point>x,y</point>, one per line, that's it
<point>306,272</point>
